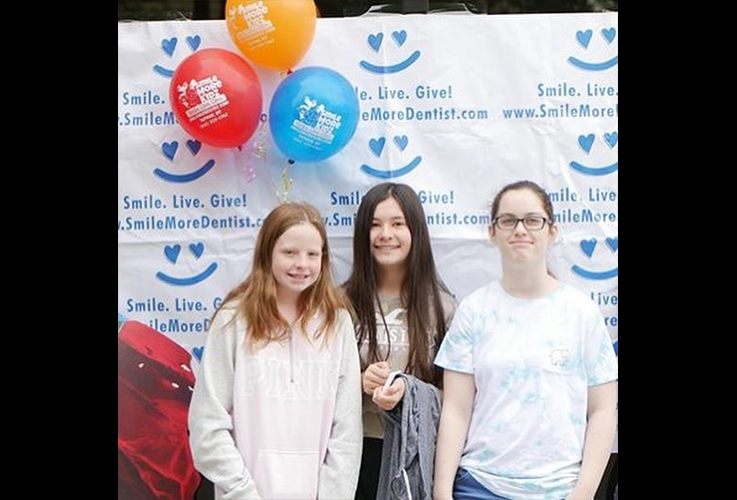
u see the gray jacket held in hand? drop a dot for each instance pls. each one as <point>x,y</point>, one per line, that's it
<point>408,456</point>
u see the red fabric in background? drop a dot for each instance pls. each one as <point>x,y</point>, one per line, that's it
<point>154,390</point>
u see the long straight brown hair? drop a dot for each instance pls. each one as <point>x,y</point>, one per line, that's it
<point>420,289</point>
<point>255,297</point>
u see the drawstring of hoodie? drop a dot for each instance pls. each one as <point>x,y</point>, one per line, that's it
<point>291,357</point>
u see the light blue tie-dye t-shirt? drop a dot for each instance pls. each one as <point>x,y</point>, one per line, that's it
<point>533,361</point>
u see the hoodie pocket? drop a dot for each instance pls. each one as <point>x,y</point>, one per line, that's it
<point>291,475</point>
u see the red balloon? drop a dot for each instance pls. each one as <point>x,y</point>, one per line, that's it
<point>216,97</point>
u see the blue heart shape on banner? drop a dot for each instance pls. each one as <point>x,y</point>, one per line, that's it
<point>377,145</point>
<point>400,37</point>
<point>197,352</point>
<point>613,243</point>
<point>374,41</point>
<point>194,42</point>
<point>609,34</point>
<point>172,252</point>
<point>584,37</point>
<point>169,45</point>
<point>197,249</point>
<point>401,142</point>
<point>588,246</point>
<point>586,141</point>
<point>170,149</point>
<point>611,139</point>
<point>194,146</point>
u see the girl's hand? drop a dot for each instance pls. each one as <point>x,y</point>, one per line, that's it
<point>388,399</point>
<point>375,376</point>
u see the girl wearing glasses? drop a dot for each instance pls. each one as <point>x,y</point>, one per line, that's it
<point>401,310</point>
<point>530,394</point>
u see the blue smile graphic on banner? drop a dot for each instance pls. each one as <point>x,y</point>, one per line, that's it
<point>584,39</point>
<point>169,45</point>
<point>377,146</point>
<point>586,142</point>
<point>375,40</point>
<point>169,150</point>
<point>588,247</point>
<point>171,252</point>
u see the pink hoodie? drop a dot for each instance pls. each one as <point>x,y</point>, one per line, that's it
<point>282,422</point>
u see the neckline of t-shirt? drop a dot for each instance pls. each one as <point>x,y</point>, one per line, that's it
<point>524,300</point>
<point>387,298</point>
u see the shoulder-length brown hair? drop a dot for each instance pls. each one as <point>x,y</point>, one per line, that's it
<point>255,298</point>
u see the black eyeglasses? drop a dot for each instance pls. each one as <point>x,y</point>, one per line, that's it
<point>531,222</point>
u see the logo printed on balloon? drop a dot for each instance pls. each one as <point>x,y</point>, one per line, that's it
<point>171,252</point>
<point>169,150</point>
<point>375,40</point>
<point>203,100</point>
<point>315,121</point>
<point>216,98</point>
<point>169,45</point>
<point>588,247</point>
<point>253,16</point>
<point>377,146</point>
<point>584,39</point>
<point>586,142</point>
<point>274,34</point>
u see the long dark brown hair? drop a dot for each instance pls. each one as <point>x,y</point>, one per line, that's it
<point>420,288</point>
<point>255,297</point>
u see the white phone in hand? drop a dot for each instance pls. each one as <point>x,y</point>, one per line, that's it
<point>390,379</point>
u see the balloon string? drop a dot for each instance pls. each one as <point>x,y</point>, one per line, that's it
<point>286,183</point>
<point>255,150</point>
<point>259,145</point>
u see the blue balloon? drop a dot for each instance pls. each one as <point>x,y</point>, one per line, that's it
<point>313,114</point>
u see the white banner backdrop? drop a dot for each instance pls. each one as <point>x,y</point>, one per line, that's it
<point>456,106</point>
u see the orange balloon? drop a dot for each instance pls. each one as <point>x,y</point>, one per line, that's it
<point>274,34</point>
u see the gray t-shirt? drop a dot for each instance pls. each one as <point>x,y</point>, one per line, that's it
<point>396,328</point>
